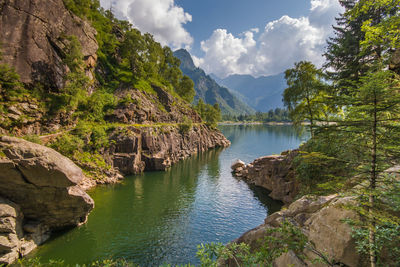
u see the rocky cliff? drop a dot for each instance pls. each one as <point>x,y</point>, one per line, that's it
<point>274,173</point>
<point>33,38</point>
<point>157,148</point>
<point>39,193</point>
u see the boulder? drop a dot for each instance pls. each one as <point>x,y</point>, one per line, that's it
<point>10,231</point>
<point>321,220</point>
<point>237,164</point>
<point>43,183</point>
<point>18,236</point>
<point>275,173</point>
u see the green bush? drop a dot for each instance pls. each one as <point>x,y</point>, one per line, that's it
<point>185,126</point>
<point>67,144</point>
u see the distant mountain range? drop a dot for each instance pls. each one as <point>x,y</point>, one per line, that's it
<point>262,94</point>
<point>209,90</point>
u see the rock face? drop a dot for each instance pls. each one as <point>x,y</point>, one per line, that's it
<point>321,220</point>
<point>157,148</point>
<point>43,183</point>
<point>16,237</point>
<point>33,39</point>
<point>38,194</point>
<point>274,173</point>
<point>146,108</point>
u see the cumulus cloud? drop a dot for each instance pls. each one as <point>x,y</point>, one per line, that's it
<point>162,18</point>
<point>281,43</point>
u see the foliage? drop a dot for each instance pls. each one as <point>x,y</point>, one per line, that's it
<point>85,145</point>
<point>186,89</point>
<point>76,81</point>
<point>211,114</point>
<point>273,115</point>
<point>303,97</point>
<point>67,144</point>
<point>185,126</point>
<point>97,106</point>
<point>345,62</point>
<point>33,138</point>
<point>382,30</point>
<point>277,241</point>
<point>35,262</point>
<point>126,57</point>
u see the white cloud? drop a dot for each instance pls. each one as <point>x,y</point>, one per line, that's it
<point>282,43</point>
<point>162,18</point>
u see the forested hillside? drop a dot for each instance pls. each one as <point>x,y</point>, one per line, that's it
<point>85,78</point>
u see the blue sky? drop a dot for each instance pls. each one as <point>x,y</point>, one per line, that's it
<point>236,16</point>
<point>257,37</point>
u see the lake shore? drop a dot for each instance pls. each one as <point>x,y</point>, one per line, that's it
<point>254,123</point>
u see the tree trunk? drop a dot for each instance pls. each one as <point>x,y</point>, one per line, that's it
<point>311,117</point>
<point>372,226</point>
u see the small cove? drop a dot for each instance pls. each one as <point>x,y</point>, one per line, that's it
<point>161,217</point>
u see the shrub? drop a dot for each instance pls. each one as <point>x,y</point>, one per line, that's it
<point>185,126</point>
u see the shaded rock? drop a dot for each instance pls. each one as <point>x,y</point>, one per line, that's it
<point>43,183</point>
<point>274,173</point>
<point>16,238</point>
<point>33,39</point>
<point>156,148</point>
<point>10,231</point>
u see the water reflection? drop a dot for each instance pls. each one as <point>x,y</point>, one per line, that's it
<point>161,217</point>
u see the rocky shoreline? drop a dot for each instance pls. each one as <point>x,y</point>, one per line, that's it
<point>42,191</point>
<point>320,218</point>
<point>274,173</point>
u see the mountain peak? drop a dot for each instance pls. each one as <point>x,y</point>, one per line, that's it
<point>185,58</point>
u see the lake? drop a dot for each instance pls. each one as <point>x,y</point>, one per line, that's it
<point>161,217</point>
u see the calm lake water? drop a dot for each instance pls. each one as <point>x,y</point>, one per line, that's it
<point>161,217</point>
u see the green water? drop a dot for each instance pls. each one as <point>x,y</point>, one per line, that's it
<point>160,217</point>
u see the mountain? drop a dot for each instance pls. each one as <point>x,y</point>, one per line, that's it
<point>262,94</point>
<point>209,90</point>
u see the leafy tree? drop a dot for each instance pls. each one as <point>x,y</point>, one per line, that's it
<point>186,89</point>
<point>76,84</point>
<point>382,30</point>
<point>211,114</point>
<point>303,97</point>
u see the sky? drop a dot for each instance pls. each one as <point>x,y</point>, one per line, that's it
<point>225,37</point>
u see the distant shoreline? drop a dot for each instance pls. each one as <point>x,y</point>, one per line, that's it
<point>254,123</point>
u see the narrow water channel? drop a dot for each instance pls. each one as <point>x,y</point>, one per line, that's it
<point>161,217</point>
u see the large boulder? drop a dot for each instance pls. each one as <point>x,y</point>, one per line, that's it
<point>275,173</point>
<point>322,221</point>
<point>33,40</point>
<point>43,183</point>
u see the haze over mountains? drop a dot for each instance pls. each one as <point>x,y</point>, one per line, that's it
<point>209,90</point>
<point>262,93</point>
<point>236,94</point>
